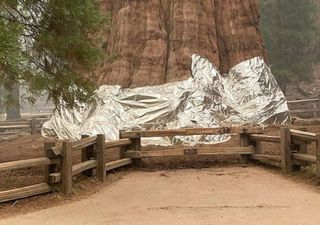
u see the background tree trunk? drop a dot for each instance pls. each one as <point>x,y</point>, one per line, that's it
<point>2,102</point>
<point>13,107</point>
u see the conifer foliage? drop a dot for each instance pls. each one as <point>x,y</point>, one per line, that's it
<point>47,45</point>
<point>291,36</point>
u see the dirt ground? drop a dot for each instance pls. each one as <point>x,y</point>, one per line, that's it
<point>228,196</point>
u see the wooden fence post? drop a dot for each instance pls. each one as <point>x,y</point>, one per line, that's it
<point>301,147</point>
<point>286,157</point>
<point>122,149</point>
<point>318,155</point>
<point>101,162</point>
<point>87,154</point>
<point>67,167</point>
<point>33,126</point>
<point>244,142</point>
<point>50,168</point>
<point>318,106</point>
<point>136,145</point>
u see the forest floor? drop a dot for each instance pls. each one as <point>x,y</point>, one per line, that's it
<point>226,195</point>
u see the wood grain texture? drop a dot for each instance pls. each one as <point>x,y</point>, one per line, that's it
<point>101,160</point>
<point>116,164</point>
<point>304,157</point>
<point>191,131</point>
<point>83,143</point>
<point>118,143</point>
<point>286,158</point>
<point>24,192</point>
<point>263,157</point>
<point>265,138</point>
<point>83,166</point>
<point>181,151</point>
<point>67,167</point>
<point>303,135</point>
<point>27,163</point>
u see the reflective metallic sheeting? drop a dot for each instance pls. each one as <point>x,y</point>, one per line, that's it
<point>248,94</point>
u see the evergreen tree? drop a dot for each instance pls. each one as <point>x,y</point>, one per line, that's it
<point>48,45</point>
<point>290,34</point>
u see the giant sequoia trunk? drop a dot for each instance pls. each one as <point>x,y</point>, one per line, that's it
<point>152,41</point>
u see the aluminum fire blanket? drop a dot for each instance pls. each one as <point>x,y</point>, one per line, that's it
<point>248,94</point>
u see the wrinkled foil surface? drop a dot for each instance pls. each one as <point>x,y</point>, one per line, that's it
<point>248,94</point>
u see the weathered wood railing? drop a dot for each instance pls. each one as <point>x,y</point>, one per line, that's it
<point>28,190</point>
<point>60,167</point>
<point>293,149</point>
<point>300,140</point>
<point>92,156</point>
<point>256,139</point>
<point>138,152</point>
<point>32,125</point>
<point>93,162</point>
<point>313,110</point>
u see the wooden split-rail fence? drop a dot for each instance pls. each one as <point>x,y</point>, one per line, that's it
<point>305,107</point>
<point>60,167</point>
<point>293,149</point>
<point>31,125</point>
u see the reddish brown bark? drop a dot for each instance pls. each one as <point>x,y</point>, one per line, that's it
<point>152,41</point>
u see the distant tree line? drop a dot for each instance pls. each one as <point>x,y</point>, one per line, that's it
<point>47,45</point>
<point>291,34</point>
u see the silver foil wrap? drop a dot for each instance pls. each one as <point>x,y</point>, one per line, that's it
<point>248,94</point>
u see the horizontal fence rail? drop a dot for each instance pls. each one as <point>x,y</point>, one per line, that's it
<point>303,135</point>
<point>83,143</point>
<point>311,107</point>
<point>118,163</point>
<point>263,157</point>
<point>118,143</point>
<point>312,100</point>
<point>27,163</point>
<point>265,138</point>
<point>190,131</point>
<point>24,192</point>
<point>12,127</point>
<point>187,151</point>
<point>304,157</point>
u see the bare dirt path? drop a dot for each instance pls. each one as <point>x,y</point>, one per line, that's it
<point>229,196</point>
